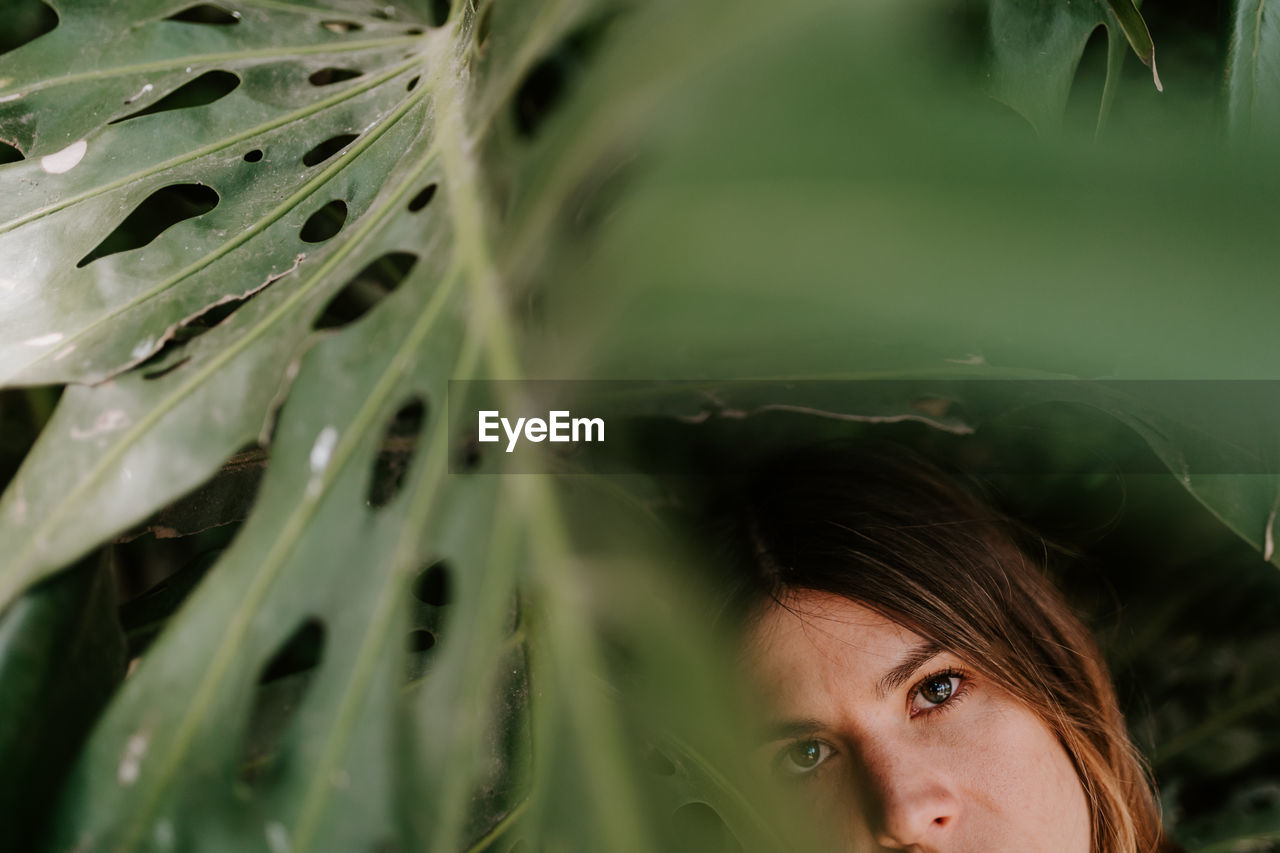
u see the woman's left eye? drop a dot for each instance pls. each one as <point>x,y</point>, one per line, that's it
<point>934,691</point>
<point>802,757</point>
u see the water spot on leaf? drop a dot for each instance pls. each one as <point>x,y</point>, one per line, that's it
<point>423,198</point>
<point>702,828</point>
<point>328,148</point>
<point>322,450</point>
<point>25,21</point>
<point>413,84</point>
<point>135,749</point>
<point>395,453</point>
<point>277,837</point>
<point>420,640</point>
<point>145,90</point>
<point>65,160</point>
<point>204,90</point>
<point>206,13</point>
<point>161,210</point>
<point>433,586</point>
<point>253,156</point>
<point>342,26</point>
<point>329,76</point>
<point>9,153</point>
<point>365,290</point>
<point>325,222</point>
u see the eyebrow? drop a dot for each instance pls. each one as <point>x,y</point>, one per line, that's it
<point>915,658</point>
<point>788,729</point>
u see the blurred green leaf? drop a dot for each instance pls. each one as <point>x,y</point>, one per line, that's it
<point>1253,71</point>
<point>62,653</point>
<point>1036,47</point>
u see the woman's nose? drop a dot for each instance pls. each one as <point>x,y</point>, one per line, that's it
<point>914,805</point>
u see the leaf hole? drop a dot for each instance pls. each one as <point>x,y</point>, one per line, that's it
<point>396,452</point>
<point>414,31</point>
<point>324,223</point>
<point>423,198</point>
<point>702,828</point>
<point>420,640</point>
<point>342,26</point>
<point>433,585</point>
<point>365,290</point>
<point>282,687</point>
<point>253,156</point>
<point>544,88</point>
<point>439,11</point>
<point>413,84</point>
<point>206,13</point>
<point>25,21</point>
<point>329,76</point>
<point>204,90</point>
<point>467,456</point>
<point>9,153</point>
<point>301,652</point>
<point>192,328</point>
<point>165,371</point>
<point>328,148</point>
<point>157,213</point>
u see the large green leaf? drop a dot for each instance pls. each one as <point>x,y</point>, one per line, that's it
<point>442,113</point>
<point>757,204</point>
<point>1037,46</point>
<point>69,622</point>
<point>1253,70</point>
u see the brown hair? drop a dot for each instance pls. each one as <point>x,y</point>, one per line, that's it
<point>893,533</point>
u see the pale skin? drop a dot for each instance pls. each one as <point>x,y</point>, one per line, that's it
<point>905,744</point>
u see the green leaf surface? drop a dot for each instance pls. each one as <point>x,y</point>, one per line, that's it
<point>376,748</point>
<point>1253,71</point>
<point>760,205</point>
<point>1036,48</point>
<point>62,653</point>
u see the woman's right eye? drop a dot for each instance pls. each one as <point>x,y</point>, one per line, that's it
<point>802,757</point>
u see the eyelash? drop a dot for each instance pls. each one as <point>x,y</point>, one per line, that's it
<point>960,691</point>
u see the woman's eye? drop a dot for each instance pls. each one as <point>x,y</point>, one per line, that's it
<point>934,691</point>
<point>802,757</point>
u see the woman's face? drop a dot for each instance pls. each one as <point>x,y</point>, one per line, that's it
<point>905,741</point>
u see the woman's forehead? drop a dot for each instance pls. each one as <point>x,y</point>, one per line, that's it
<point>809,639</point>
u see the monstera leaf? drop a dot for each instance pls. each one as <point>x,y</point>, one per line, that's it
<point>1037,46</point>
<point>1253,73</point>
<point>290,225</point>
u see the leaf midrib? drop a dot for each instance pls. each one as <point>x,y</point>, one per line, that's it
<point>277,53</point>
